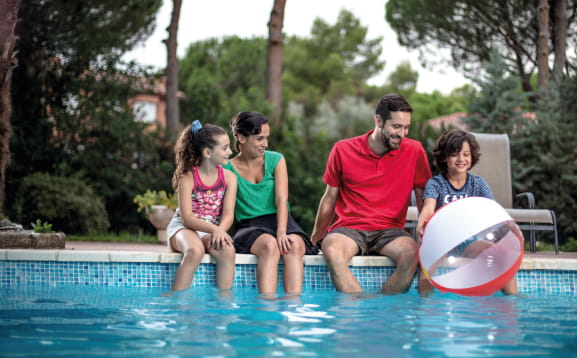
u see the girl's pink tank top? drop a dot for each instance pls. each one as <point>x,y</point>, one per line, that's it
<point>207,200</point>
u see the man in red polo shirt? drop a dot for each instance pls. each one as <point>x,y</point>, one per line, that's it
<point>369,182</point>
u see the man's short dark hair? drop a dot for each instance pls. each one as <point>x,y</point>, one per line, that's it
<point>392,102</point>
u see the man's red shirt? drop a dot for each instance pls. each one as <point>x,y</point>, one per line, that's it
<point>374,191</point>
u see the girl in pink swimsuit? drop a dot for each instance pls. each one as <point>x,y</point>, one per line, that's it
<point>206,199</point>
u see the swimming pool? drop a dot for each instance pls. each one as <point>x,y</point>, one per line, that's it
<point>85,321</point>
<point>106,304</point>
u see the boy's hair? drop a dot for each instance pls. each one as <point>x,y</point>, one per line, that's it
<point>189,146</point>
<point>451,142</point>
<point>246,124</point>
<point>392,102</point>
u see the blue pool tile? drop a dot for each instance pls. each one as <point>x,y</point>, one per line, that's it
<point>140,274</point>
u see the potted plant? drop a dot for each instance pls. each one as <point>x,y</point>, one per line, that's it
<point>158,206</point>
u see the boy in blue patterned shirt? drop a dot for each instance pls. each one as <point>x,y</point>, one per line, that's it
<point>455,153</point>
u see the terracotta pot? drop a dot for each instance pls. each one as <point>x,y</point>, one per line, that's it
<point>160,216</point>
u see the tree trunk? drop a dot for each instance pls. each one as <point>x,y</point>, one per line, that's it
<point>8,61</point>
<point>543,44</point>
<point>172,68</point>
<point>560,26</point>
<point>274,60</point>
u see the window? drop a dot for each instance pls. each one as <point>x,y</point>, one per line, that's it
<point>145,111</point>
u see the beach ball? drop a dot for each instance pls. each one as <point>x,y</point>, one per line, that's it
<point>471,247</point>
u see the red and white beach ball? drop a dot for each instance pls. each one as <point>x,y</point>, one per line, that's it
<point>471,247</point>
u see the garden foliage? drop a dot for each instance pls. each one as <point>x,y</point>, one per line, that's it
<point>69,204</point>
<point>542,137</point>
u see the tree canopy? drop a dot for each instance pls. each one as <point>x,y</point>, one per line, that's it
<point>543,142</point>
<point>72,117</point>
<point>335,60</point>
<point>70,100</point>
<point>471,29</point>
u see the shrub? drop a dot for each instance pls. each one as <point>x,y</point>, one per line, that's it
<point>68,203</point>
<point>570,245</point>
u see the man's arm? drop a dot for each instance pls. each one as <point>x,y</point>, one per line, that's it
<point>325,213</point>
<point>419,198</point>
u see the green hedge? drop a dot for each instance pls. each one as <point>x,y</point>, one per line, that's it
<point>69,204</point>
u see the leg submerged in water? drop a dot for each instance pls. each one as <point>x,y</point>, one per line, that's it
<point>338,250</point>
<point>403,251</point>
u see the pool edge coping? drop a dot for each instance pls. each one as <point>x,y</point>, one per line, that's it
<point>529,263</point>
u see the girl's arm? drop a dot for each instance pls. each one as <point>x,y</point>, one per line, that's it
<point>426,212</point>
<point>227,217</point>
<point>220,237</point>
<point>281,200</point>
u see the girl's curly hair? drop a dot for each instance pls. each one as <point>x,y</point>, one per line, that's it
<point>189,146</point>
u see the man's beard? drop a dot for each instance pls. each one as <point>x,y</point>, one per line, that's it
<point>387,141</point>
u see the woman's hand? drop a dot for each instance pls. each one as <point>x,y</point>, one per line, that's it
<point>284,243</point>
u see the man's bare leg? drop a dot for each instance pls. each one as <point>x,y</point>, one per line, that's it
<point>338,250</point>
<point>403,251</point>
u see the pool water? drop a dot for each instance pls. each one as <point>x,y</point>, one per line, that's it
<point>203,322</point>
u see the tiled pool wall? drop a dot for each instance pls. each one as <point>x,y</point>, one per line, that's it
<point>535,275</point>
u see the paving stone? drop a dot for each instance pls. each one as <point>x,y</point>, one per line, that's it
<point>31,240</point>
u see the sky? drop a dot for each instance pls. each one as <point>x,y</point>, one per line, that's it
<point>248,18</point>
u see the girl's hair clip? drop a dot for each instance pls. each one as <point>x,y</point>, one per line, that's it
<point>195,126</point>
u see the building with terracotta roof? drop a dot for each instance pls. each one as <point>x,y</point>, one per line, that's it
<point>449,121</point>
<point>455,120</point>
<point>150,105</point>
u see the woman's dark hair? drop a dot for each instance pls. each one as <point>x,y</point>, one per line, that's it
<point>247,124</point>
<point>451,142</point>
<point>189,146</point>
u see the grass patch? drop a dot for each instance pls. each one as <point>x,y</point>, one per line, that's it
<point>569,246</point>
<point>112,237</point>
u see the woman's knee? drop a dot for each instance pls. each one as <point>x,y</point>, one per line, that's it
<point>265,245</point>
<point>298,247</point>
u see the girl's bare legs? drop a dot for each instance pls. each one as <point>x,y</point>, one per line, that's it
<point>266,249</point>
<point>190,245</point>
<point>294,266</point>
<point>225,264</point>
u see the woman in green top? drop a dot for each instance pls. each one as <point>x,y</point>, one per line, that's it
<point>266,228</point>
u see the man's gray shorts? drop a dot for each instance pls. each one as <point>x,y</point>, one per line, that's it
<point>370,242</point>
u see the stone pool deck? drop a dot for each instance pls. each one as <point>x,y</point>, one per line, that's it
<point>119,246</point>
<point>547,260</point>
<point>80,251</point>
